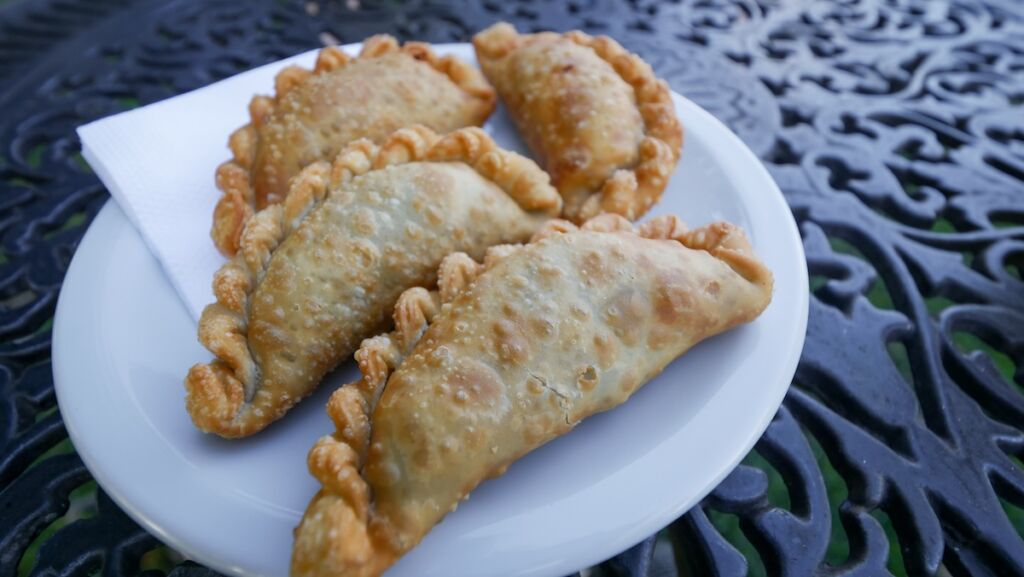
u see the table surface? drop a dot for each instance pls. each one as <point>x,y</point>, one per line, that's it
<point>894,127</point>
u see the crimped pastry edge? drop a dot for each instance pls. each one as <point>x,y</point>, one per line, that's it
<point>234,177</point>
<point>218,392</point>
<point>335,536</point>
<point>632,191</point>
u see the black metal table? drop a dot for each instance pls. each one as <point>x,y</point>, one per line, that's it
<point>894,127</point>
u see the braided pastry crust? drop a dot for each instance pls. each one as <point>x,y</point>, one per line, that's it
<point>503,357</point>
<point>314,113</point>
<point>320,272</point>
<point>595,116</point>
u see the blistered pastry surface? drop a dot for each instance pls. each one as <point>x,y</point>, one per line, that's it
<point>319,272</point>
<point>574,110</point>
<point>506,355</point>
<point>594,115</point>
<point>332,282</point>
<point>314,114</point>
<point>555,332</point>
<point>368,98</point>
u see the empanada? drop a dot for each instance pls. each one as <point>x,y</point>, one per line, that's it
<point>517,352</point>
<point>594,115</point>
<point>319,273</point>
<point>316,113</point>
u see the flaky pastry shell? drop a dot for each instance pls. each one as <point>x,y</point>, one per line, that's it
<point>594,115</point>
<point>313,114</point>
<point>502,358</point>
<point>320,272</point>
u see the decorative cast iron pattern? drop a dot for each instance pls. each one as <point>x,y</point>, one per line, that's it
<point>895,128</point>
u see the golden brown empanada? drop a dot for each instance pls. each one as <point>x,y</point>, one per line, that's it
<point>316,113</point>
<point>518,351</point>
<point>594,115</point>
<point>319,273</point>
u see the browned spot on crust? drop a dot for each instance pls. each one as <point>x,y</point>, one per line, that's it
<point>673,299</point>
<point>549,273</point>
<point>510,341</point>
<point>366,251</point>
<point>594,267</point>
<point>607,350</point>
<point>435,183</point>
<point>364,222</point>
<point>542,328</point>
<point>586,378</point>
<point>661,336</point>
<point>538,431</point>
<point>630,381</point>
<point>474,383</point>
<point>625,314</point>
<point>421,458</point>
<point>573,159</point>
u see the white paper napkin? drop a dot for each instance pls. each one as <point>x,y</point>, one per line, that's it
<point>158,163</point>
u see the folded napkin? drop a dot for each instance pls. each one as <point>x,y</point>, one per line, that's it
<point>158,163</point>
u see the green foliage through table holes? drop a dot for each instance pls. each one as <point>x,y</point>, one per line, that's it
<point>835,488</point>
<point>936,305</point>
<point>778,494</point>
<point>45,327</point>
<point>81,163</point>
<point>898,353</point>
<point>838,551</point>
<point>34,158</point>
<point>1014,513</point>
<point>878,294</point>
<point>128,102</point>
<point>729,526</point>
<point>1015,270</point>
<point>817,281</point>
<point>74,221</point>
<point>161,559</point>
<point>81,505</point>
<point>969,343</point>
<point>945,226</point>
<point>895,564</point>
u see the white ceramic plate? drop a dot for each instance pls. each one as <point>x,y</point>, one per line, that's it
<point>123,342</point>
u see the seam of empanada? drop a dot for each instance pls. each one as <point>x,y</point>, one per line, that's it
<point>722,240</point>
<point>325,547</point>
<point>629,191</point>
<point>322,547</point>
<point>218,392</point>
<point>234,177</point>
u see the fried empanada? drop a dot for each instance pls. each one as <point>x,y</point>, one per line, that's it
<point>594,115</point>
<point>517,352</point>
<point>315,113</point>
<point>321,272</point>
